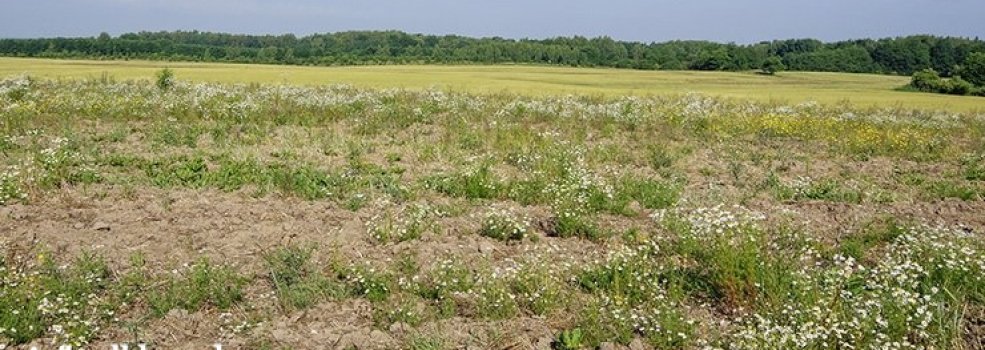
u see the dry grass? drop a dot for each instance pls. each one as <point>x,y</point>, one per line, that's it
<point>864,90</point>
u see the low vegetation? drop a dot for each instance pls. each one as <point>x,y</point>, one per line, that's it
<point>276,216</point>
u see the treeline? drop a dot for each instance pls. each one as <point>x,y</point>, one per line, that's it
<point>904,55</point>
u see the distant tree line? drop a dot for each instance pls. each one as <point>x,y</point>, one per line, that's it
<point>903,55</point>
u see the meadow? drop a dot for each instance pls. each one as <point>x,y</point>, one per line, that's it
<point>181,213</point>
<point>861,90</point>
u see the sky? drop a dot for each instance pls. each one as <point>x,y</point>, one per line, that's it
<point>635,20</point>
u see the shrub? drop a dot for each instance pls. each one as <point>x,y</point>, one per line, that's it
<point>926,80</point>
<point>165,79</point>
<point>958,86</point>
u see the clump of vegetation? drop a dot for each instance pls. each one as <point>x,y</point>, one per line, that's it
<point>427,343</point>
<point>650,193</point>
<point>165,79</point>
<point>805,188</point>
<point>476,183</point>
<point>569,340</point>
<point>629,298</point>
<point>10,188</point>
<point>297,283</point>
<point>907,296</point>
<point>200,286</point>
<point>504,225</point>
<point>969,80</point>
<point>403,223</point>
<point>928,80</point>
<point>70,303</point>
<point>368,282</point>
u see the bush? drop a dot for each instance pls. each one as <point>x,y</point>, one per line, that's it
<point>926,80</point>
<point>958,86</point>
<point>165,79</point>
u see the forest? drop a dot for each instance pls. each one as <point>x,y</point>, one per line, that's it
<point>900,56</point>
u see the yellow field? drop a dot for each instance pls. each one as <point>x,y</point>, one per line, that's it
<point>787,87</point>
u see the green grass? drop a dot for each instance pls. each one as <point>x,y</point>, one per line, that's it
<point>294,277</point>
<point>204,285</point>
<point>790,87</point>
<point>36,298</point>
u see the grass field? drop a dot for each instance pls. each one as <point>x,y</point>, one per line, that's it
<point>789,87</point>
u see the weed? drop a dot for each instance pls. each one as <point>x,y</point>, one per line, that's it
<point>367,282</point>
<point>951,189</point>
<point>426,343</point>
<point>201,286</point>
<point>402,224</point>
<point>651,194</point>
<point>569,340</point>
<point>295,280</point>
<point>69,303</point>
<point>478,183</point>
<point>659,157</point>
<point>10,188</point>
<point>504,225</point>
<point>574,225</point>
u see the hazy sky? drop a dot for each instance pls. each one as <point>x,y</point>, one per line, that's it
<point>653,20</point>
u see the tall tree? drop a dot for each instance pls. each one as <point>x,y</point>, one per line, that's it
<point>974,69</point>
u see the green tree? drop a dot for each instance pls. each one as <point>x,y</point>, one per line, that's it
<point>772,65</point>
<point>712,60</point>
<point>974,69</point>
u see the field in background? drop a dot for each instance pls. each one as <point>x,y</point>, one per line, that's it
<point>863,90</point>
